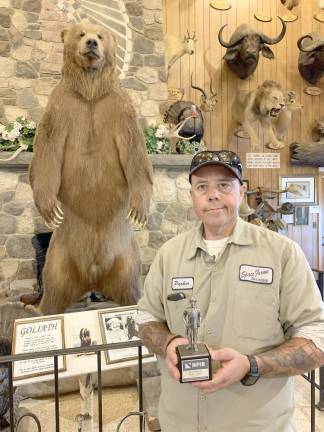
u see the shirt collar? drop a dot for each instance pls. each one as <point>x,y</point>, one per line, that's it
<point>241,235</point>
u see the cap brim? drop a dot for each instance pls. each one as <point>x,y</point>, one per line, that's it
<point>219,163</point>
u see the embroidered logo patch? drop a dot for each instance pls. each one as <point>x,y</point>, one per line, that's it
<point>261,275</point>
<point>182,283</point>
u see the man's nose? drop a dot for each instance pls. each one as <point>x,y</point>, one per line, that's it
<point>213,193</point>
<point>92,43</point>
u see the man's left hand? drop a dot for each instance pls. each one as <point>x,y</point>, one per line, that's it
<point>234,366</point>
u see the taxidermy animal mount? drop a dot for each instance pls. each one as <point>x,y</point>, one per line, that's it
<point>282,122</point>
<point>318,130</point>
<point>265,214</point>
<point>175,48</point>
<point>310,153</point>
<point>264,105</point>
<point>244,46</point>
<point>290,4</point>
<point>193,128</point>
<point>90,128</point>
<point>311,57</point>
<point>207,104</point>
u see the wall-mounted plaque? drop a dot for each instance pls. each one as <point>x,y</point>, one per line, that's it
<point>319,17</point>
<point>241,133</point>
<point>220,5</point>
<point>34,335</point>
<point>175,93</point>
<point>290,17</point>
<point>313,91</point>
<point>263,160</point>
<point>260,16</point>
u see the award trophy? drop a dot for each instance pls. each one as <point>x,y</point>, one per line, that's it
<point>194,361</point>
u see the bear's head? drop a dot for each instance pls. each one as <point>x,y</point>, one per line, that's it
<point>89,47</point>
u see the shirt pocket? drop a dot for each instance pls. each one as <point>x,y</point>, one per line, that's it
<point>255,311</point>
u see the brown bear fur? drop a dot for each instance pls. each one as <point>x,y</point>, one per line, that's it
<point>90,155</point>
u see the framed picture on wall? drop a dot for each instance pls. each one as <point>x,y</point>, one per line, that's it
<point>301,215</point>
<point>300,189</point>
<point>288,218</point>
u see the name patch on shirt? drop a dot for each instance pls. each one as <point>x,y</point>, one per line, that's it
<point>182,283</point>
<point>261,275</point>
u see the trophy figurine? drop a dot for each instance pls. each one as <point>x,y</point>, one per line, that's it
<point>194,360</point>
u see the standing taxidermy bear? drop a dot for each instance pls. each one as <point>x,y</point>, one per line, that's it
<point>90,155</point>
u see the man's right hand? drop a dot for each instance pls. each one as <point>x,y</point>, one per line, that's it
<point>171,358</point>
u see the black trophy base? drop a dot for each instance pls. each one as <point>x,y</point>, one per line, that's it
<point>194,365</point>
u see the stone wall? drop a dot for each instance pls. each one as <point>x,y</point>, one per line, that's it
<point>31,51</point>
<point>170,214</point>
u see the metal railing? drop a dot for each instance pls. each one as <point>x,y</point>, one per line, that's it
<point>8,361</point>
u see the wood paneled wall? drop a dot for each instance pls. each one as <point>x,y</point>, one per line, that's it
<point>207,64</point>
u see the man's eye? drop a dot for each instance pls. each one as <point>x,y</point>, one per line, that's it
<point>201,187</point>
<point>226,186</point>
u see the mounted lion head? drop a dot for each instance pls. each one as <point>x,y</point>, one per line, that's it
<point>269,99</point>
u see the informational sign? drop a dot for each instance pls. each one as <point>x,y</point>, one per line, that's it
<point>39,334</point>
<point>263,160</point>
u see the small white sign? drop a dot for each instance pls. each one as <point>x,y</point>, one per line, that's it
<point>263,160</point>
<point>34,335</point>
<point>182,283</point>
<point>314,209</point>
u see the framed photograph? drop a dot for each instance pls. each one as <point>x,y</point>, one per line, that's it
<point>38,334</point>
<point>119,325</point>
<point>288,218</point>
<point>301,215</point>
<point>82,336</point>
<point>301,189</point>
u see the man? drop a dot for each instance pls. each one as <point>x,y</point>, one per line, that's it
<point>262,315</point>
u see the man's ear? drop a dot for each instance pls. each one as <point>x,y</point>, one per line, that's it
<point>63,34</point>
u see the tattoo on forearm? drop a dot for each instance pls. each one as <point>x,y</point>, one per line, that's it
<point>294,357</point>
<point>155,336</point>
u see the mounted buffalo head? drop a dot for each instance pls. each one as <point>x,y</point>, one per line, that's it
<point>243,49</point>
<point>311,57</point>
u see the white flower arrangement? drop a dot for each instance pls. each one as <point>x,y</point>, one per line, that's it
<point>17,132</point>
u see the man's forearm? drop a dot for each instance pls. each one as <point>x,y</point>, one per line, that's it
<point>294,357</point>
<point>155,335</point>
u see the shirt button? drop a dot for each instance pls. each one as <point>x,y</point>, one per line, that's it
<point>209,331</point>
<point>203,397</point>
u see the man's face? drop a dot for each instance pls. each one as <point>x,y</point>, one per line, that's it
<point>216,196</point>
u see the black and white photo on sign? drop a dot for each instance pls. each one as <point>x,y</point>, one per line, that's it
<point>83,336</point>
<point>301,215</point>
<point>119,325</point>
<point>35,335</point>
<point>301,189</point>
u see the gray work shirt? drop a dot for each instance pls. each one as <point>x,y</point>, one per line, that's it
<point>258,294</point>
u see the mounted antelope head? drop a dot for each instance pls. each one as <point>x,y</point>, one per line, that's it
<point>175,48</point>
<point>290,4</point>
<point>207,104</point>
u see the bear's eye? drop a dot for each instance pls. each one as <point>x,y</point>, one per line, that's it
<point>82,34</point>
<point>99,36</point>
